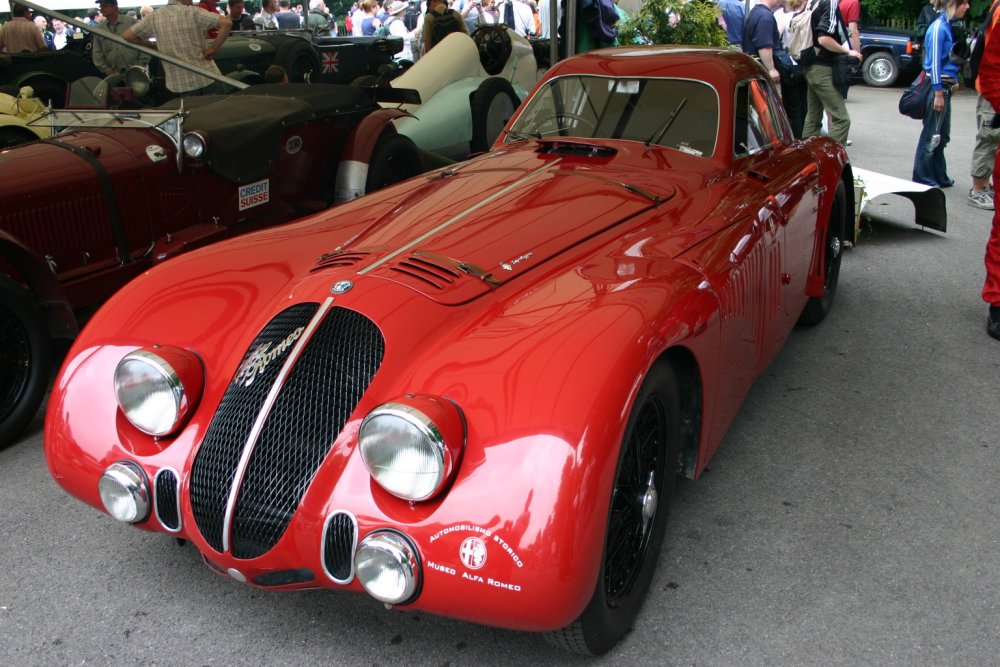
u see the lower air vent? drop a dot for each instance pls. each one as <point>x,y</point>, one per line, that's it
<point>166,500</point>
<point>340,538</point>
<point>285,577</point>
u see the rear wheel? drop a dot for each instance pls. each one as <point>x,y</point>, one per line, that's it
<point>880,69</point>
<point>25,359</point>
<point>493,104</point>
<point>49,91</point>
<point>637,519</point>
<point>818,307</point>
<point>395,158</point>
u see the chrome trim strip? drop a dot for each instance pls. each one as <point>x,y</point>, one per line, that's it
<point>458,216</point>
<point>265,411</point>
<point>354,546</point>
<point>156,501</point>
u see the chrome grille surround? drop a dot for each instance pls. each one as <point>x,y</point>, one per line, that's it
<point>297,414</point>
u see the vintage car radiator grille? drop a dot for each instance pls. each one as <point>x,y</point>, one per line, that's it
<point>339,541</point>
<point>166,499</point>
<point>215,465</point>
<point>315,401</point>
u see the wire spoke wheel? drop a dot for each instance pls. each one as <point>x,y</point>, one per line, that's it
<point>633,503</point>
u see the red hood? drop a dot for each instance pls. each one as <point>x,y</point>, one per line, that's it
<point>479,224</point>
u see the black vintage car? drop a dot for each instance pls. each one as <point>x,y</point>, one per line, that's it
<point>245,56</point>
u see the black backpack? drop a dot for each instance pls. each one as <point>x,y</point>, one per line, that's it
<point>411,15</point>
<point>445,24</point>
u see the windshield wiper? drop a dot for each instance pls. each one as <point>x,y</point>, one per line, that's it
<point>521,136</point>
<point>660,131</point>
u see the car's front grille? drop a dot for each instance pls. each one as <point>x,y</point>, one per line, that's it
<point>340,537</point>
<point>322,391</point>
<point>167,510</point>
<point>313,404</point>
<point>215,465</point>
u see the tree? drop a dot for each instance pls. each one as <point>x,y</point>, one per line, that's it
<point>673,22</point>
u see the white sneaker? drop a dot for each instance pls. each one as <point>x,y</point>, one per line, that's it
<point>982,199</point>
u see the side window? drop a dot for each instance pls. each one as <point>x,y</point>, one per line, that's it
<point>755,125</point>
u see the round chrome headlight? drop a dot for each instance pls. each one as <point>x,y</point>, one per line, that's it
<point>194,145</point>
<point>412,449</point>
<point>137,78</point>
<point>157,388</point>
<point>386,564</point>
<point>125,492</point>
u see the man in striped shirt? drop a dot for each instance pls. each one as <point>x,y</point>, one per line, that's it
<point>180,31</point>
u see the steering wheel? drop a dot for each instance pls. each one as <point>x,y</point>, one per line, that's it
<point>579,121</point>
<point>494,47</point>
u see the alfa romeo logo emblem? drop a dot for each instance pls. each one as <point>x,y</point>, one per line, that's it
<point>473,553</point>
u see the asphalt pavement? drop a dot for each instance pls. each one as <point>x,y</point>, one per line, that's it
<point>850,516</point>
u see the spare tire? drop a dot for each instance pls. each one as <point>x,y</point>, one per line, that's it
<point>298,58</point>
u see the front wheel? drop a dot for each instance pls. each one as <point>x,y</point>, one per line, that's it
<point>818,307</point>
<point>880,69</point>
<point>493,104</point>
<point>395,158</point>
<point>25,359</point>
<point>637,517</point>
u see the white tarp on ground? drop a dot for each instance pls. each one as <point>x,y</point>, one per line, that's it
<point>928,202</point>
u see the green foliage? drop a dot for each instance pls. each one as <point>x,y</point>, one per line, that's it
<point>652,24</point>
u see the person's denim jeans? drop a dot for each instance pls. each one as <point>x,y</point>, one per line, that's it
<point>929,165</point>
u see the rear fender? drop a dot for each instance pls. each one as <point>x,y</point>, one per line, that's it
<point>839,172</point>
<point>352,172</point>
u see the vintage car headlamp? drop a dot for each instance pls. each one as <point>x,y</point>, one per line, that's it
<point>137,78</point>
<point>412,446</point>
<point>194,145</point>
<point>387,566</point>
<point>125,492</point>
<point>158,388</point>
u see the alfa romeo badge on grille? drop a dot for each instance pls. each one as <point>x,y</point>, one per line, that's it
<point>263,355</point>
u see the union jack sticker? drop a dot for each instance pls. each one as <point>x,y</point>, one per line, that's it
<point>331,63</point>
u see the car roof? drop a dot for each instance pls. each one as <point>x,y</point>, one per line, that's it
<point>719,67</point>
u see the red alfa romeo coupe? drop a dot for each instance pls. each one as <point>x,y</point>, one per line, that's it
<point>470,393</point>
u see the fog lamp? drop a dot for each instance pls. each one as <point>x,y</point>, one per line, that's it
<point>386,564</point>
<point>125,492</point>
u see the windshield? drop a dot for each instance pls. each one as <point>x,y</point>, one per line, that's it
<point>676,113</point>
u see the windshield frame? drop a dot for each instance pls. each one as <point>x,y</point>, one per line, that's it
<point>515,135</point>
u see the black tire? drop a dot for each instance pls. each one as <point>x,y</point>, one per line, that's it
<point>25,360</point>
<point>394,159</point>
<point>880,69</point>
<point>299,59</point>
<point>15,136</point>
<point>644,483</point>
<point>493,104</point>
<point>818,307</point>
